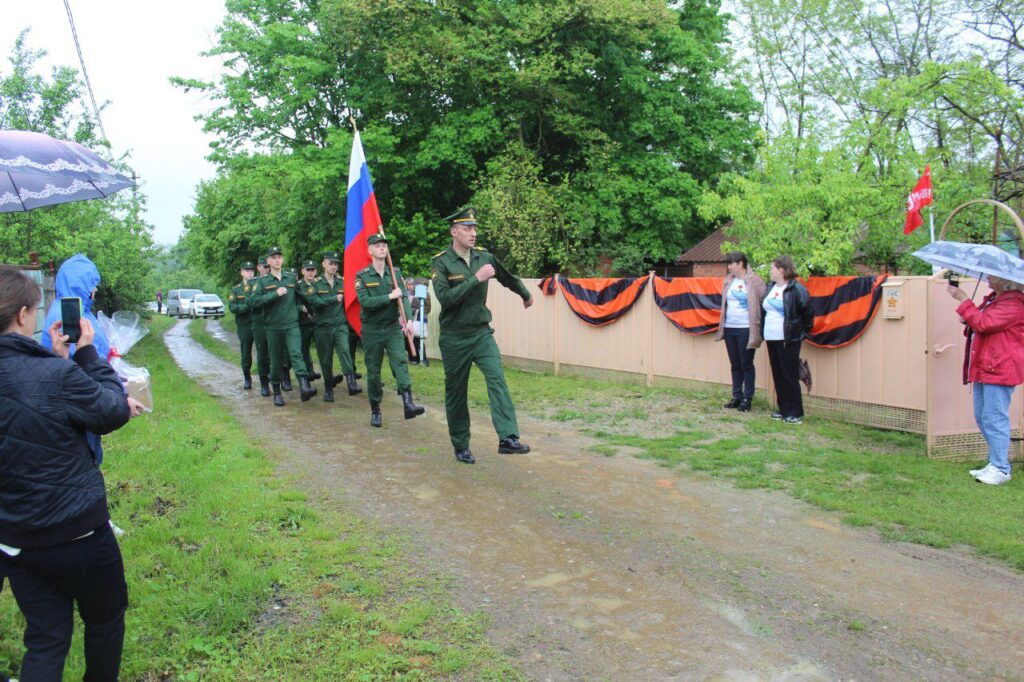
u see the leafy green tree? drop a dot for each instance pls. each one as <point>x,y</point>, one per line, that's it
<point>109,230</point>
<point>622,111</point>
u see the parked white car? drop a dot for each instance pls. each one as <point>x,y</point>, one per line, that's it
<point>178,301</point>
<point>206,305</point>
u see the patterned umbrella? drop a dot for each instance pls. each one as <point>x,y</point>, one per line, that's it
<point>37,170</point>
<point>973,260</point>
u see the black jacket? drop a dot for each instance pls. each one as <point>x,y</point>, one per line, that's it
<point>51,490</point>
<point>798,318</point>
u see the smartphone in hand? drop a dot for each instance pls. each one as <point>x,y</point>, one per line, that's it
<point>71,318</point>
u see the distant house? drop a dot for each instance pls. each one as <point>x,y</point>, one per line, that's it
<point>706,258</point>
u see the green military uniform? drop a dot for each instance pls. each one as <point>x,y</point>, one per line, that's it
<point>307,321</point>
<point>281,320</point>
<point>381,328</point>
<point>331,325</point>
<point>238,304</point>
<point>259,335</point>
<point>466,337</point>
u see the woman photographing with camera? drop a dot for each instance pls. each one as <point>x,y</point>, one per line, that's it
<point>56,545</point>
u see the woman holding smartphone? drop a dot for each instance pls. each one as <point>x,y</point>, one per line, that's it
<point>56,545</point>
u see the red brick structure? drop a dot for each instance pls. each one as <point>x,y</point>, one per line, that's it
<point>706,258</point>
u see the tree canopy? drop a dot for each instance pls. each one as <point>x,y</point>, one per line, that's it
<point>585,131</point>
<point>109,230</point>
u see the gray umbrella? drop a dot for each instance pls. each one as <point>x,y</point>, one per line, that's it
<point>37,170</point>
<point>973,260</point>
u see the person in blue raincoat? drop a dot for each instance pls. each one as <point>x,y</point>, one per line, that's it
<point>79,277</point>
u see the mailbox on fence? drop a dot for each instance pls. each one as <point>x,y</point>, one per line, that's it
<point>892,300</point>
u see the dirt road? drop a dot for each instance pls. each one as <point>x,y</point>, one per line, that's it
<point>613,568</point>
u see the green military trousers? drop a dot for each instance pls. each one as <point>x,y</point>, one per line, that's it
<point>245,340</point>
<point>284,346</point>
<point>306,339</point>
<point>259,335</point>
<point>374,345</point>
<point>331,340</point>
<point>458,353</point>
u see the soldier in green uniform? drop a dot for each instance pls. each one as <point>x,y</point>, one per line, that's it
<point>379,299</point>
<point>278,295</point>
<point>332,328</point>
<point>238,304</point>
<point>460,274</point>
<point>307,317</point>
<point>259,331</point>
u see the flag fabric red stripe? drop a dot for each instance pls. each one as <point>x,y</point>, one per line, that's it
<point>920,197</point>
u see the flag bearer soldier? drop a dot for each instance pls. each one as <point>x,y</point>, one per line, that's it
<point>332,328</point>
<point>259,331</point>
<point>460,274</point>
<point>379,299</point>
<point>238,304</point>
<point>307,316</point>
<point>278,295</point>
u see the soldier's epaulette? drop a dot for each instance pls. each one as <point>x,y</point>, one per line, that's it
<point>479,248</point>
<point>368,268</point>
<point>438,255</point>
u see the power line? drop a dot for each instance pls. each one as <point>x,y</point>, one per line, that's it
<point>85,74</point>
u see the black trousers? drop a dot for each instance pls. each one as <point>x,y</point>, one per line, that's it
<point>46,584</point>
<point>784,357</point>
<point>741,361</point>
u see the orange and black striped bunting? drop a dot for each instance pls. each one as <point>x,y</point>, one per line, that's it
<point>547,285</point>
<point>843,308</point>
<point>601,301</point>
<point>693,304</point>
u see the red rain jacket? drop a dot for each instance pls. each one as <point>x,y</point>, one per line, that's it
<point>995,339</point>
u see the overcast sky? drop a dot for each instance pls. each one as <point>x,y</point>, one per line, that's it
<point>131,47</point>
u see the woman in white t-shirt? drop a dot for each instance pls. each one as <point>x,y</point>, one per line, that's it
<point>787,319</point>
<point>740,326</point>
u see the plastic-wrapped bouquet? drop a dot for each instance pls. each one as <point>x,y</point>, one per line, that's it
<point>123,330</point>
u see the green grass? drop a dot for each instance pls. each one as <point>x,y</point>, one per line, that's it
<point>871,477</point>
<point>233,574</point>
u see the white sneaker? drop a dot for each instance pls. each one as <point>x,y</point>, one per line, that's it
<point>993,477</point>
<point>978,472</point>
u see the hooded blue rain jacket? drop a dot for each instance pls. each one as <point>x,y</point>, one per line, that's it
<point>78,277</point>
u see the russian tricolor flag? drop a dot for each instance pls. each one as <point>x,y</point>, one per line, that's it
<point>361,220</point>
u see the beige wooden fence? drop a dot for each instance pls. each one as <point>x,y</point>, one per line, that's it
<point>903,373</point>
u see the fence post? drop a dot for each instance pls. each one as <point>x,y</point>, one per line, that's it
<point>653,314</point>
<point>558,333</point>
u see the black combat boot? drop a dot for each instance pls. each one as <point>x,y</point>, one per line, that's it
<point>353,387</point>
<point>278,398</point>
<point>375,417</point>
<point>335,380</point>
<point>512,446</point>
<point>328,393</point>
<point>286,380</point>
<point>358,375</point>
<point>411,409</point>
<point>313,376</point>
<point>247,381</point>
<point>305,390</point>
<point>264,386</point>
<point>464,455</point>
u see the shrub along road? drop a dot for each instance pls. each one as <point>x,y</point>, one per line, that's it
<point>600,567</point>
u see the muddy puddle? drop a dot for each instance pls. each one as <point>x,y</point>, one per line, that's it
<point>602,568</point>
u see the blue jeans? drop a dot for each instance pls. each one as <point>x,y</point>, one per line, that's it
<point>992,412</point>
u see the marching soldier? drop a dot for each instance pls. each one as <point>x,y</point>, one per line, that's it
<point>332,328</point>
<point>379,299</point>
<point>460,274</point>
<point>307,321</point>
<point>278,295</point>
<point>259,331</point>
<point>238,304</point>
